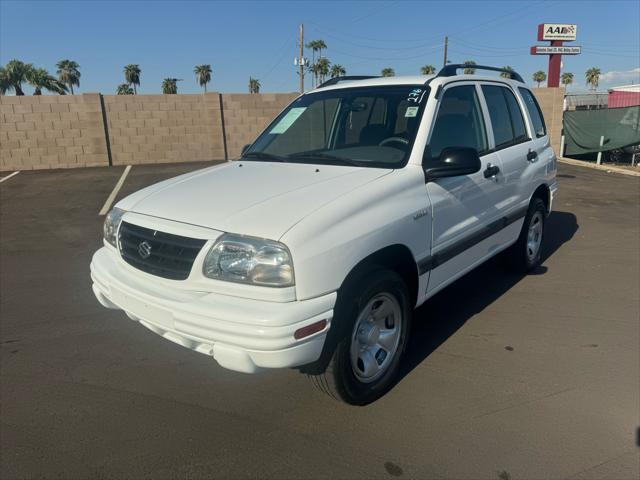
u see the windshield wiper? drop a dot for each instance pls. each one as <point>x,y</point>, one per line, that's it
<point>326,157</point>
<point>262,156</point>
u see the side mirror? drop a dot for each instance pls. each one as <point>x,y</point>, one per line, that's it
<point>245,148</point>
<point>453,162</point>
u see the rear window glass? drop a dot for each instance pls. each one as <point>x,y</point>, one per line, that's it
<point>534,112</point>
<point>499,113</point>
<point>519,130</point>
<point>506,116</point>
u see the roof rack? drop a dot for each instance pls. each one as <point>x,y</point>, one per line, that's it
<point>451,70</point>
<point>334,80</point>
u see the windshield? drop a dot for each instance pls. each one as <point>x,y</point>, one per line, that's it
<point>364,126</point>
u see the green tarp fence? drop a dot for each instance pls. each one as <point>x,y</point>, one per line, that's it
<point>583,129</point>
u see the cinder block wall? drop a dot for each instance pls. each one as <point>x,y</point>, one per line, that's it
<point>51,132</point>
<point>38,132</point>
<point>164,128</point>
<point>245,116</point>
<point>551,101</point>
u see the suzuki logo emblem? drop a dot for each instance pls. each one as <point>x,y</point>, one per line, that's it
<point>144,249</point>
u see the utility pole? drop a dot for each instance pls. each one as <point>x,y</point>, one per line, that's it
<point>301,58</point>
<point>446,44</point>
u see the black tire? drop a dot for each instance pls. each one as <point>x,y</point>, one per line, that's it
<point>520,257</point>
<point>339,379</point>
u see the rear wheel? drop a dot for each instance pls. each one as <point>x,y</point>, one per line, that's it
<point>372,317</point>
<point>526,253</point>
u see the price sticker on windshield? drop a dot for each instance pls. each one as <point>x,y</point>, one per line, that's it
<point>288,120</point>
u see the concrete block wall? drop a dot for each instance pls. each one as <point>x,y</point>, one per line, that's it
<point>245,116</point>
<point>551,101</point>
<point>49,131</point>
<point>164,128</point>
<point>39,132</point>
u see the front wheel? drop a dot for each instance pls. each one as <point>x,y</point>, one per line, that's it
<point>373,318</point>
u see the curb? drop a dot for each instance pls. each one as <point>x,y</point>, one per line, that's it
<point>604,168</point>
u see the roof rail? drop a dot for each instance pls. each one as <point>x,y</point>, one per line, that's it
<point>334,80</point>
<point>451,70</point>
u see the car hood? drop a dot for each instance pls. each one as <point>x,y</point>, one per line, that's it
<point>262,199</point>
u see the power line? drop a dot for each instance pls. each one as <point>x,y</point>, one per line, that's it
<point>285,49</point>
<point>427,46</point>
<point>357,19</point>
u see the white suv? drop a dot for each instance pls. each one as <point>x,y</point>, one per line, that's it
<point>361,200</point>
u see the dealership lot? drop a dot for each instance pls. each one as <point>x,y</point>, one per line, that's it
<point>506,377</point>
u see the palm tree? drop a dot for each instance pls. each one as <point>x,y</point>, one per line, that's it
<point>203,75</point>
<point>593,77</point>
<point>312,46</point>
<point>170,85</point>
<point>69,73</point>
<point>315,46</point>
<point>254,85</point>
<point>388,72</point>
<point>320,45</point>
<point>314,69</point>
<point>124,89</point>
<point>16,73</point>
<point>4,81</point>
<point>469,70</point>
<point>539,77</point>
<point>41,79</point>
<point>428,70</point>
<point>337,71</point>
<point>323,68</point>
<point>507,74</point>
<point>132,76</point>
<point>567,79</point>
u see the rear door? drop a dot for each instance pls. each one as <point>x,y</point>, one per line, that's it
<point>463,208</point>
<point>540,165</point>
<point>511,142</point>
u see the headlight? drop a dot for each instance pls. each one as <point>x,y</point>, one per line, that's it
<point>111,224</point>
<point>235,258</point>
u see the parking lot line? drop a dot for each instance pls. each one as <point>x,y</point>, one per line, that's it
<point>2,179</point>
<point>116,189</point>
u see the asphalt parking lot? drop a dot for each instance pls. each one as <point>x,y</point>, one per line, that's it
<point>506,377</point>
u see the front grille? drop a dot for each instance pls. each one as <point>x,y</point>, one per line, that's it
<point>158,253</point>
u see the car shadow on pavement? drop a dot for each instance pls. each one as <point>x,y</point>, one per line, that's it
<point>443,314</point>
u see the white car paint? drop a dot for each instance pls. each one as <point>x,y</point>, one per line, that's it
<point>331,218</point>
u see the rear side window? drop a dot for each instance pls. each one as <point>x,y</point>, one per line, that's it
<point>459,122</point>
<point>534,112</point>
<point>517,121</point>
<point>506,116</point>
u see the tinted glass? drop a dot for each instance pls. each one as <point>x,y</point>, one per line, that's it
<point>459,122</point>
<point>364,126</point>
<point>534,112</point>
<point>517,121</point>
<point>500,116</point>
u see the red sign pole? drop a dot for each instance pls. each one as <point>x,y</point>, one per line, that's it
<point>553,78</point>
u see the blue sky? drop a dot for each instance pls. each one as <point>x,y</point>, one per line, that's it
<point>239,39</point>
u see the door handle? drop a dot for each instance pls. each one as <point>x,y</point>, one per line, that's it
<point>491,171</point>
<point>532,156</point>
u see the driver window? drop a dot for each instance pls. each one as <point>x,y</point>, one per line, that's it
<point>459,122</point>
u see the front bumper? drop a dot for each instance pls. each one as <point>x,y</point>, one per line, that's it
<point>241,334</point>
